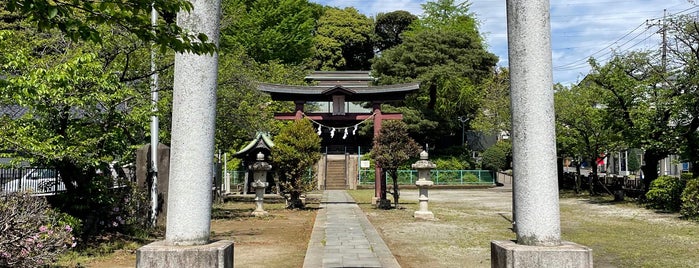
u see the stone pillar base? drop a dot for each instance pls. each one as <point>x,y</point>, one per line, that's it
<point>260,213</point>
<point>508,254</point>
<point>424,215</point>
<point>218,254</point>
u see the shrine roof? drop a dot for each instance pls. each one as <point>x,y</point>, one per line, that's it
<point>352,93</point>
<point>261,140</point>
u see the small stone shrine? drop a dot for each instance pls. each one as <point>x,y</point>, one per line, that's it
<point>262,143</point>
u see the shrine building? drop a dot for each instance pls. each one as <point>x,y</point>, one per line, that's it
<point>335,104</point>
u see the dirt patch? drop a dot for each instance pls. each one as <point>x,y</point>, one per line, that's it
<point>278,240</point>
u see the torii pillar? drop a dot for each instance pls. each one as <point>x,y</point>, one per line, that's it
<point>379,181</point>
<point>536,213</point>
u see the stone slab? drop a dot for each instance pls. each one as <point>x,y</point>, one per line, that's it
<point>508,254</point>
<point>159,254</point>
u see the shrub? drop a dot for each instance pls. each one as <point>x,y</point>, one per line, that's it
<point>498,156</point>
<point>665,193</point>
<point>690,200</point>
<point>470,177</point>
<point>296,150</point>
<point>33,234</point>
<point>451,163</point>
<point>104,209</point>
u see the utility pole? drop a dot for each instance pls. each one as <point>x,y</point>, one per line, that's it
<point>664,44</point>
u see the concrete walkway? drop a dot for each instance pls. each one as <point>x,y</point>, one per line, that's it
<point>343,237</point>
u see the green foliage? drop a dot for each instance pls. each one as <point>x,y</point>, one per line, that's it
<point>445,52</point>
<point>241,109</point>
<point>343,40</point>
<point>634,160</point>
<point>470,177</point>
<point>493,115</point>
<point>498,156</point>
<point>79,20</point>
<point>451,163</point>
<point>665,193</point>
<point>33,235</point>
<point>270,29</point>
<point>690,200</point>
<point>582,125</point>
<point>389,27</point>
<point>104,209</point>
<point>296,150</point>
<point>393,147</point>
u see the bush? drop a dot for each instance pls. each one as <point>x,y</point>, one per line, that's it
<point>451,163</point>
<point>104,209</point>
<point>665,193</point>
<point>690,200</point>
<point>498,156</point>
<point>470,177</point>
<point>33,234</point>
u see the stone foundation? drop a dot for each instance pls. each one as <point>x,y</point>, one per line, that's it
<point>508,254</point>
<point>159,254</point>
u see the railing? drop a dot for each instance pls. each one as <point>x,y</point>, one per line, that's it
<point>45,181</point>
<point>35,180</point>
<point>439,177</point>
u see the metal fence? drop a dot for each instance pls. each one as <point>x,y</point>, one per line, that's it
<point>439,177</point>
<point>35,180</point>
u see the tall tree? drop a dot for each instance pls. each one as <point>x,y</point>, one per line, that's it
<point>640,104</point>
<point>582,127</point>
<point>392,147</point>
<point>343,40</point>
<point>445,52</point>
<point>683,65</point>
<point>389,27</point>
<point>270,29</point>
<point>296,149</point>
<point>493,115</point>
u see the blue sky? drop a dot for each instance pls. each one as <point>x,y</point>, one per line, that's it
<point>579,28</point>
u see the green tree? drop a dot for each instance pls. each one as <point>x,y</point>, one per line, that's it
<point>445,52</point>
<point>80,20</point>
<point>683,67</point>
<point>640,103</point>
<point>493,115</point>
<point>270,29</point>
<point>343,40</point>
<point>392,147</point>
<point>296,150</point>
<point>79,107</point>
<point>582,127</point>
<point>389,27</point>
<point>498,156</point>
<point>241,109</point>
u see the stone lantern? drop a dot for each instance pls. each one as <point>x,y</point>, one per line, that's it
<point>260,168</point>
<point>423,167</point>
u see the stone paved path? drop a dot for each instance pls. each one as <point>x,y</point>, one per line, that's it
<point>343,237</point>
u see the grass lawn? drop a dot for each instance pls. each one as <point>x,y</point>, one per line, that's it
<point>620,234</point>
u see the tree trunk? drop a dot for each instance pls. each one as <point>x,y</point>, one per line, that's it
<point>383,202</point>
<point>433,97</point>
<point>577,178</point>
<point>295,200</point>
<point>592,177</point>
<point>396,193</point>
<point>650,169</point>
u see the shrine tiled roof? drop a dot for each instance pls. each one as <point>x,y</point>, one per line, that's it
<point>353,93</point>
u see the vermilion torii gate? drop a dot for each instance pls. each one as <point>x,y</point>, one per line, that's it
<point>340,88</point>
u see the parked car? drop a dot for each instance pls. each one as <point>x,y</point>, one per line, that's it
<point>37,180</point>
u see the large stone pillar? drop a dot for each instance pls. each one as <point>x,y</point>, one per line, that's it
<point>192,151</point>
<point>535,183</point>
<point>193,122</point>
